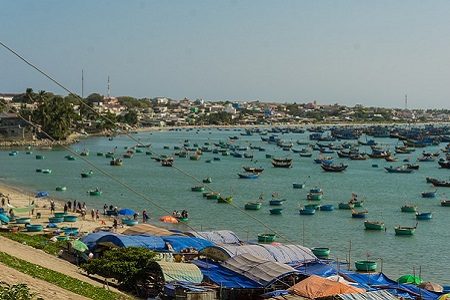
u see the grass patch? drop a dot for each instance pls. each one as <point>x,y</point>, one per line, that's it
<point>37,241</point>
<point>63,281</point>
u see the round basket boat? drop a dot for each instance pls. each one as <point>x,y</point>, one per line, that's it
<point>24,220</point>
<point>69,218</point>
<point>266,237</point>
<point>366,265</point>
<point>70,230</point>
<point>129,222</point>
<point>321,252</point>
<point>56,220</point>
<point>34,228</point>
<point>60,214</point>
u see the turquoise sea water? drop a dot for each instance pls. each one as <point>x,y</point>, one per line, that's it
<point>384,194</point>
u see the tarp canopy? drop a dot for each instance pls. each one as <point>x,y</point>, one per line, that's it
<point>258,269</point>
<point>179,272</point>
<point>91,239</point>
<point>367,280</point>
<point>225,277</point>
<point>316,268</point>
<point>218,237</point>
<point>147,229</point>
<point>375,295</point>
<point>278,252</point>
<point>180,243</point>
<point>316,287</point>
<point>144,241</point>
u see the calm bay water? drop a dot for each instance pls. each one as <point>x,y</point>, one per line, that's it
<point>384,194</point>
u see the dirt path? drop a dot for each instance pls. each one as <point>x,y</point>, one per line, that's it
<point>43,259</point>
<point>44,289</point>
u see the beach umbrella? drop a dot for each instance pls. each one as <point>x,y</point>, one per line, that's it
<point>408,278</point>
<point>168,219</point>
<point>126,212</point>
<point>432,287</point>
<point>79,245</point>
<point>4,218</point>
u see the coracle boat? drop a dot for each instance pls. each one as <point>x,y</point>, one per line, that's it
<point>225,200</point>
<point>248,175</point>
<point>359,214</point>
<point>326,207</point>
<point>424,216</point>
<point>333,167</point>
<point>374,225</point>
<point>321,252</point>
<point>253,205</point>
<point>366,265</point>
<point>87,174</point>
<point>409,208</point>
<point>276,211</point>
<point>445,203</point>
<point>307,211</point>
<point>429,194</point>
<point>199,188</point>
<point>404,230</point>
<point>266,237</point>
<point>129,222</point>
<point>253,169</point>
<point>24,220</point>
<point>70,218</point>
<point>34,227</point>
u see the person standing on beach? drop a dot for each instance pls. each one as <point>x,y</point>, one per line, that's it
<point>69,205</point>
<point>65,208</point>
<point>74,205</point>
<point>92,214</point>
<point>97,215</point>
<point>105,207</point>
<point>144,216</point>
<point>52,207</point>
<point>3,201</point>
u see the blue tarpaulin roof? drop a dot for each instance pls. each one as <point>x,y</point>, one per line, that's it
<point>145,241</point>
<point>91,239</point>
<point>180,243</point>
<point>225,277</point>
<point>316,268</point>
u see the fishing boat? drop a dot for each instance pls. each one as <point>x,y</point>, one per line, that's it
<point>109,155</point>
<point>39,156</point>
<point>400,169</point>
<point>374,225</point>
<point>266,237</point>
<point>276,202</point>
<point>100,154</point>
<point>404,230</point>
<point>84,153</point>
<point>343,205</point>
<point>87,174</point>
<point>431,194</point>
<point>207,180</point>
<point>96,192</point>
<point>390,158</point>
<point>412,166</point>
<point>366,265</point>
<point>116,162</point>
<point>444,164</point>
<point>167,162</point>
<point>276,211</point>
<point>445,203</point>
<point>69,157</point>
<point>253,169</point>
<point>321,252</point>
<point>409,208</point>
<point>195,157</point>
<point>253,205</point>
<point>46,171</point>
<point>199,188</point>
<point>307,211</point>
<point>358,157</point>
<point>298,185</point>
<point>326,207</point>
<point>441,183</point>
<point>248,175</point>
<point>314,196</point>
<point>334,167</point>
<point>228,199</point>
<point>359,214</point>
<point>424,216</point>
<point>61,188</point>
<point>427,158</point>
<point>282,162</point>
<point>312,206</point>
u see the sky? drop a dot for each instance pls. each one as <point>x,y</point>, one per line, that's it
<point>347,52</point>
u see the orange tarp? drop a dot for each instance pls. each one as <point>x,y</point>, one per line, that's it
<point>316,287</point>
<point>168,219</point>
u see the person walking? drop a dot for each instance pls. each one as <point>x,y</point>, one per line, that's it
<point>93,214</point>
<point>145,216</point>
<point>52,207</point>
<point>65,208</point>
<point>74,205</point>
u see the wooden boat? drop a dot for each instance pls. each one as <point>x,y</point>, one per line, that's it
<point>167,162</point>
<point>228,199</point>
<point>333,167</point>
<point>282,162</point>
<point>321,252</point>
<point>109,155</point>
<point>212,195</point>
<point>100,154</point>
<point>116,162</point>
<point>298,185</point>
<point>276,202</point>
<point>128,154</point>
<point>195,157</point>
<point>445,203</point>
<point>357,203</point>
<point>216,158</point>
<point>84,153</point>
<point>314,196</point>
<point>87,174</point>
<point>366,265</point>
<point>46,171</point>
<point>96,192</point>
<point>404,230</point>
<point>312,206</point>
<point>427,158</point>
<point>431,194</point>
<point>69,157</point>
<point>401,169</point>
<point>40,157</point>
<point>61,188</point>
<point>424,216</point>
<point>307,211</point>
<point>266,237</point>
<point>444,164</point>
<point>207,180</point>
<point>253,169</point>
<point>253,205</point>
<point>441,183</point>
<point>358,157</point>
<point>326,207</point>
<point>412,166</point>
<point>343,205</point>
<point>409,208</point>
<point>248,175</point>
<point>359,214</point>
<point>374,225</point>
<point>276,211</point>
<point>390,158</point>
<point>199,188</point>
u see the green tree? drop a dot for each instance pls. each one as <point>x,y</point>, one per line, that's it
<point>16,292</point>
<point>129,266</point>
<point>130,118</point>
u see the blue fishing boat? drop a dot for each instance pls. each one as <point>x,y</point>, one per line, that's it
<point>424,216</point>
<point>359,214</point>
<point>307,211</point>
<point>276,211</point>
<point>326,207</point>
<point>298,185</point>
<point>248,175</point>
<point>429,194</point>
<point>276,202</point>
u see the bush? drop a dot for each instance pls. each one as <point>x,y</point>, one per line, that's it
<point>16,292</point>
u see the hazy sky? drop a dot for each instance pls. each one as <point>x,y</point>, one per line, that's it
<point>368,52</point>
